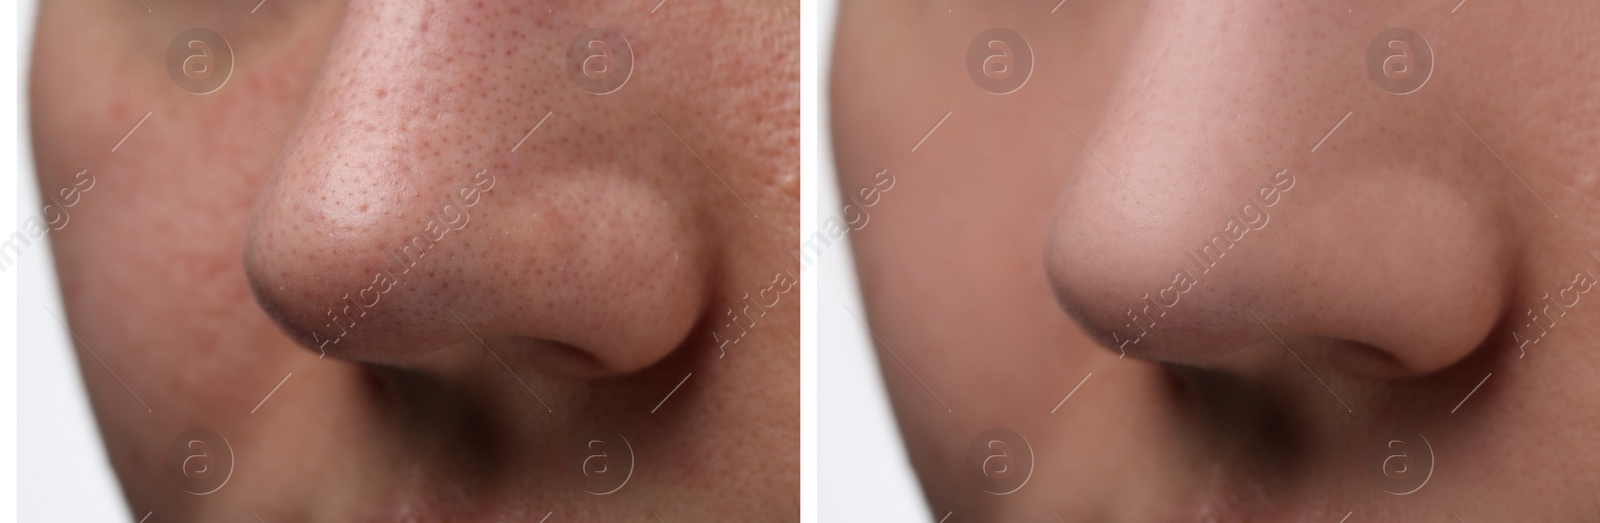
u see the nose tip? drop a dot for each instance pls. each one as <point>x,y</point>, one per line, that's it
<point>390,275</point>
<point>1161,286</point>
<point>325,259</point>
<point>1405,283</point>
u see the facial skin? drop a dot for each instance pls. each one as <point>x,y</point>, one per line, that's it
<point>1399,267</point>
<point>599,278</point>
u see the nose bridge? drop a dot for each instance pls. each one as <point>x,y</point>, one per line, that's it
<point>1178,221</point>
<point>1214,223</point>
<point>380,170</point>
<point>1207,86</point>
<point>1199,147</point>
<point>404,219</point>
<point>389,94</point>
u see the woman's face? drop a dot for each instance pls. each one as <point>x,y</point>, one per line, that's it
<point>1352,270</point>
<point>431,260</point>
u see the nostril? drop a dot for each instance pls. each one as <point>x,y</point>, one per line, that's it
<point>550,357</point>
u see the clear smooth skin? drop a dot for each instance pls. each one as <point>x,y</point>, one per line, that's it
<point>1399,263</point>
<point>587,274</point>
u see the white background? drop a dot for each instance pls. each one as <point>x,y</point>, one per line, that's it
<point>10,60</point>
<point>863,471</point>
<point>853,464</point>
<point>61,469</point>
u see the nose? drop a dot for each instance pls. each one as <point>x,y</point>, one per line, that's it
<point>448,183</point>
<point>1251,183</point>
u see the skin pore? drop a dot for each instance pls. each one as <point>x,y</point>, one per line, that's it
<point>622,269</point>
<point>1012,261</point>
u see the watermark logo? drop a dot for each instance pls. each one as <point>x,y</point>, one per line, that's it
<point>452,216</point>
<point>603,462</point>
<point>1401,462</point>
<point>600,60</point>
<point>1252,216</point>
<point>56,218</point>
<point>1399,61</point>
<point>200,461</point>
<point>999,60</point>
<point>1000,461</point>
<point>199,60</point>
<point>1541,321</point>
<point>764,300</point>
<point>856,216</point>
